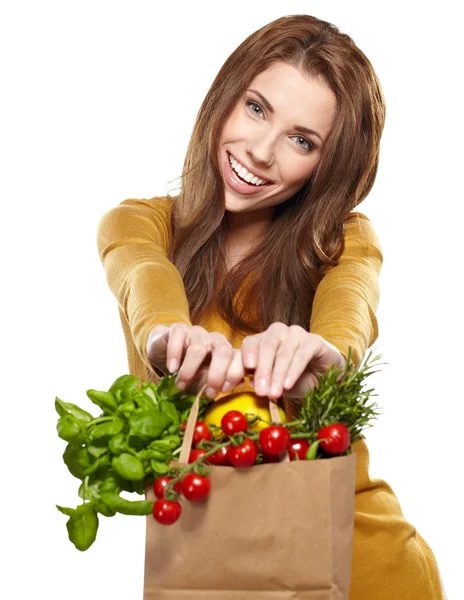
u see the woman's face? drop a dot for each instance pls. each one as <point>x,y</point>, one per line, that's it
<point>276,132</point>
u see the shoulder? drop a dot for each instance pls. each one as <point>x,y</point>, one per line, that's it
<point>360,236</point>
<point>159,206</point>
<point>137,218</point>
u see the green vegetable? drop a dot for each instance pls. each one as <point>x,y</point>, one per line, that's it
<point>104,431</point>
<point>69,429</point>
<point>65,408</point>
<point>76,458</point>
<point>127,507</point>
<point>105,400</point>
<point>146,426</point>
<point>127,466</point>
<point>119,450</point>
<point>82,525</point>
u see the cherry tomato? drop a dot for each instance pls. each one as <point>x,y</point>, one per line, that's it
<point>243,455</point>
<point>160,484</point>
<point>234,421</point>
<point>268,458</point>
<point>274,439</point>
<point>183,426</point>
<point>195,453</point>
<point>201,432</point>
<point>219,458</point>
<point>166,512</point>
<point>297,449</point>
<point>338,438</point>
<point>195,487</point>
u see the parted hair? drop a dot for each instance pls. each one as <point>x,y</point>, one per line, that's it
<point>306,233</point>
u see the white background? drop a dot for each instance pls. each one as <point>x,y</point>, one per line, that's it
<point>97,105</point>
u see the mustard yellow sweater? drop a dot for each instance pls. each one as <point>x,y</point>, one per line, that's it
<point>133,240</point>
<point>391,561</point>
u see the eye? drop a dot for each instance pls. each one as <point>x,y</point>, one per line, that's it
<point>251,104</point>
<point>309,145</point>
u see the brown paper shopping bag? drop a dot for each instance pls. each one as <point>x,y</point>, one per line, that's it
<point>273,531</point>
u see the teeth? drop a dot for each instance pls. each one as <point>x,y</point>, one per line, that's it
<point>244,174</point>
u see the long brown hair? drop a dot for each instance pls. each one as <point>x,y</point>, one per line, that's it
<point>306,232</point>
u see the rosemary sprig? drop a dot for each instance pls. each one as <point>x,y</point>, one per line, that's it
<point>343,401</point>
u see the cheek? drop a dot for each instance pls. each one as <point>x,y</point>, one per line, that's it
<point>297,172</point>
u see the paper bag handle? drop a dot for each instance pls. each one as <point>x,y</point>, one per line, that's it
<point>192,419</point>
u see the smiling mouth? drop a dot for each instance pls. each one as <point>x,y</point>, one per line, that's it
<point>255,181</point>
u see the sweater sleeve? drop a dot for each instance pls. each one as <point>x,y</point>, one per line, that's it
<point>133,241</point>
<point>347,297</point>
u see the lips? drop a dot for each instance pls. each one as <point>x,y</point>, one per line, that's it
<point>237,184</point>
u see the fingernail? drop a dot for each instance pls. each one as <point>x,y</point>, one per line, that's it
<point>210,392</point>
<point>180,386</point>
<point>172,366</point>
<point>262,386</point>
<point>226,387</point>
<point>287,383</point>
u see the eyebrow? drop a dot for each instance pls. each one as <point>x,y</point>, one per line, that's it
<point>269,107</point>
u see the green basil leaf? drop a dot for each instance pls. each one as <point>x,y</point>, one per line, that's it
<point>103,431</point>
<point>117,444</point>
<point>127,507</point>
<point>66,511</point>
<point>159,468</point>
<point>82,526</point>
<point>128,466</point>
<point>169,409</point>
<point>76,458</point>
<point>142,400</point>
<point>97,449</point>
<point>69,429</point>
<point>146,426</point>
<point>105,400</point>
<point>65,408</point>
<point>100,466</point>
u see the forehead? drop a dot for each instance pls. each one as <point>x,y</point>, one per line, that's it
<point>297,97</point>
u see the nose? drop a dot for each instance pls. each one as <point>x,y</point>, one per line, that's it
<point>261,150</point>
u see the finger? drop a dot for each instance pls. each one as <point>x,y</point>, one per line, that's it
<point>222,354</point>
<point>178,333</point>
<point>301,359</point>
<point>198,346</point>
<point>236,373</point>
<point>266,355</point>
<point>282,362</point>
<point>250,350</point>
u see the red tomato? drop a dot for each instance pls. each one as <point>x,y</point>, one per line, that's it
<point>219,458</point>
<point>166,512</point>
<point>195,453</point>
<point>201,432</point>
<point>234,422</point>
<point>297,449</point>
<point>183,426</point>
<point>274,439</point>
<point>338,438</point>
<point>243,455</point>
<point>267,458</point>
<point>160,484</point>
<point>195,487</point>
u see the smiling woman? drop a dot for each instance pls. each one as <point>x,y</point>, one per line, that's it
<point>260,263</point>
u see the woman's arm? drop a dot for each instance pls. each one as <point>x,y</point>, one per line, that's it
<point>133,240</point>
<point>347,297</point>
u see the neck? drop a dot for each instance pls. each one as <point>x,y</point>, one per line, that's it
<point>249,226</point>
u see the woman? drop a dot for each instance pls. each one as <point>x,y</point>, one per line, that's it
<point>261,265</point>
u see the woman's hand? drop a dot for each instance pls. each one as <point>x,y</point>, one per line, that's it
<point>198,355</point>
<point>287,360</point>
